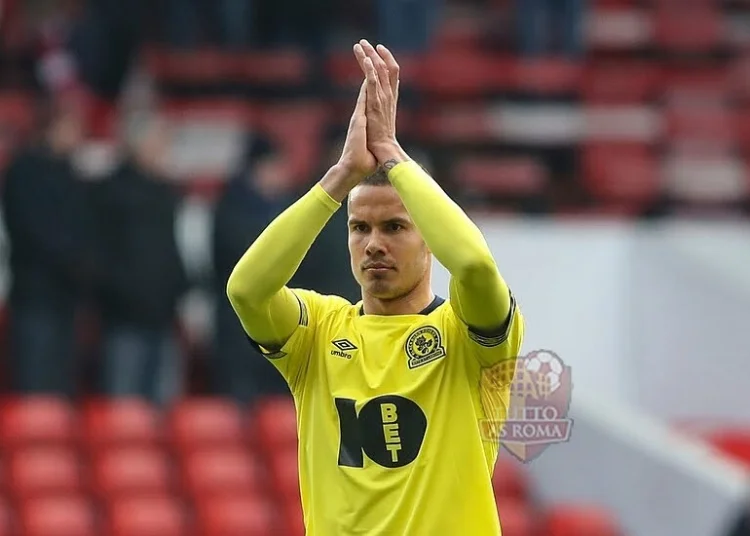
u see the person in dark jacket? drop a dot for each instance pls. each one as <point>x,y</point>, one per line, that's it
<point>254,196</point>
<point>145,277</point>
<point>44,207</point>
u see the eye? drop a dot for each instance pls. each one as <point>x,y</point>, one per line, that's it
<point>395,227</point>
<point>359,228</point>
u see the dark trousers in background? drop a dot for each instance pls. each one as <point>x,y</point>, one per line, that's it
<point>238,370</point>
<point>42,350</point>
<point>548,26</point>
<point>141,362</point>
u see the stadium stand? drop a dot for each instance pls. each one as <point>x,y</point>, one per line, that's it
<point>615,133</point>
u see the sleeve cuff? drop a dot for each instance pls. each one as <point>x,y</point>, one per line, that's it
<point>322,196</point>
<point>403,169</point>
<point>493,338</point>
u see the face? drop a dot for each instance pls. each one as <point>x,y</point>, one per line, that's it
<point>389,257</point>
<point>67,132</point>
<point>273,175</point>
<point>154,146</point>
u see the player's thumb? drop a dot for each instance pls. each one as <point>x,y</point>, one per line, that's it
<point>361,106</point>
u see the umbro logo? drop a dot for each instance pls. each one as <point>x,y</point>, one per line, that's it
<point>344,347</point>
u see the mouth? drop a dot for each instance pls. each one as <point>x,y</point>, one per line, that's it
<point>378,268</point>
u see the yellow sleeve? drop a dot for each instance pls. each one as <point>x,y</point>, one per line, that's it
<point>268,310</point>
<point>292,359</point>
<point>478,294</point>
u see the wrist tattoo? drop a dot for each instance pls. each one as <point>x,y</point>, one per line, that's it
<point>390,164</point>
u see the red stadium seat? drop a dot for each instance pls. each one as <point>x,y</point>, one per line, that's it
<point>64,515</point>
<point>147,515</point>
<point>621,172</point>
<point>128,471</point>
<point>516,518</point>
<point>294,520</point>
<point>685,28</point>
<point>6,519</point>
<point>236,515</point>
<point>573,520</point>
<point>197,423</point>
<point>463,74</point>
<point>36,419</point>
<point>37,471</point>
<point>120,423</point>
<point>734,443</point>
<point>511,176</point>
<point>459,123</point>
<point>221,470</point>
<point>548,76</point>
<point>709,124</point>
<point>275,423</point>
<point>284,471</point>
<point>510,479</point>
<point>620,82</point>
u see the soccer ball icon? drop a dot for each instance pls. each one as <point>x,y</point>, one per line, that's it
<point>548,365</point>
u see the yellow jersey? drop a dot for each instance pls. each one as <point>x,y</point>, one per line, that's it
<point>390,412</point>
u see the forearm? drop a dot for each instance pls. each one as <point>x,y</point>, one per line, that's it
<point>271,261</point>
<point>479,294</point>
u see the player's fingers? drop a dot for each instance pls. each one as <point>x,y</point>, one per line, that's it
<point>377,61</point>
<point>392,65</point>
<point>359,109</point>
<point>359,54</point>
<point>371,82</point>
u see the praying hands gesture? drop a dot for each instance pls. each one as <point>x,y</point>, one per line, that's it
<point>381,81</point>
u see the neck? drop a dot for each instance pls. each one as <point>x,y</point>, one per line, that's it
<point>410,304</point>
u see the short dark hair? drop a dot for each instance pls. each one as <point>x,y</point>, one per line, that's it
<point>377,178</point>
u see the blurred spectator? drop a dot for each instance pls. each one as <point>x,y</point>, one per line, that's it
<point>45,213</point>
<point>541,22</point>
<point>262,189</point>
<point>144,275</point>
<point>408,25</point>
<point>105,44</point>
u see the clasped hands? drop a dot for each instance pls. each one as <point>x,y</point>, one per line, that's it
<point>371,138</point>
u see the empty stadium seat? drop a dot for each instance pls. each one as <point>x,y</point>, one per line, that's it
<point>40,470</point>
<point>109,423</point>
<point>127,471</point>
<point>64,515</point>
<point>509,479</point>
<point>221,470</point>
<point>147,515</point>
<point>203,422</point>
<point>516,517</point>
<point>733,442</point>
<point>621,82</point>
<point>621,172</point>
<point>36,419</point>
<point>236,515</point>
<point>275,423</point>
<point>284,473</point>
<point>575,520</point>
<point>293,519</point>
<point>510,176</point>
<point>688,28</point>
<point>7,519</point>
<point>459,123</point>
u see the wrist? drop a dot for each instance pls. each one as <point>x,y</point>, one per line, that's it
<point>389,154</point>
<point>339,181</point>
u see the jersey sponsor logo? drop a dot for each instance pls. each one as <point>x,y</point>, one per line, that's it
<point>344,347</point>
<point>389,429</point>
<point>541,386</point>
<point>424,346</point>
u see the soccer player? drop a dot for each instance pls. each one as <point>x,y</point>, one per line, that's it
<point>390,392</point>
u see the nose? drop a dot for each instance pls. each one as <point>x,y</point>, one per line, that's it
<point>375,244</point>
